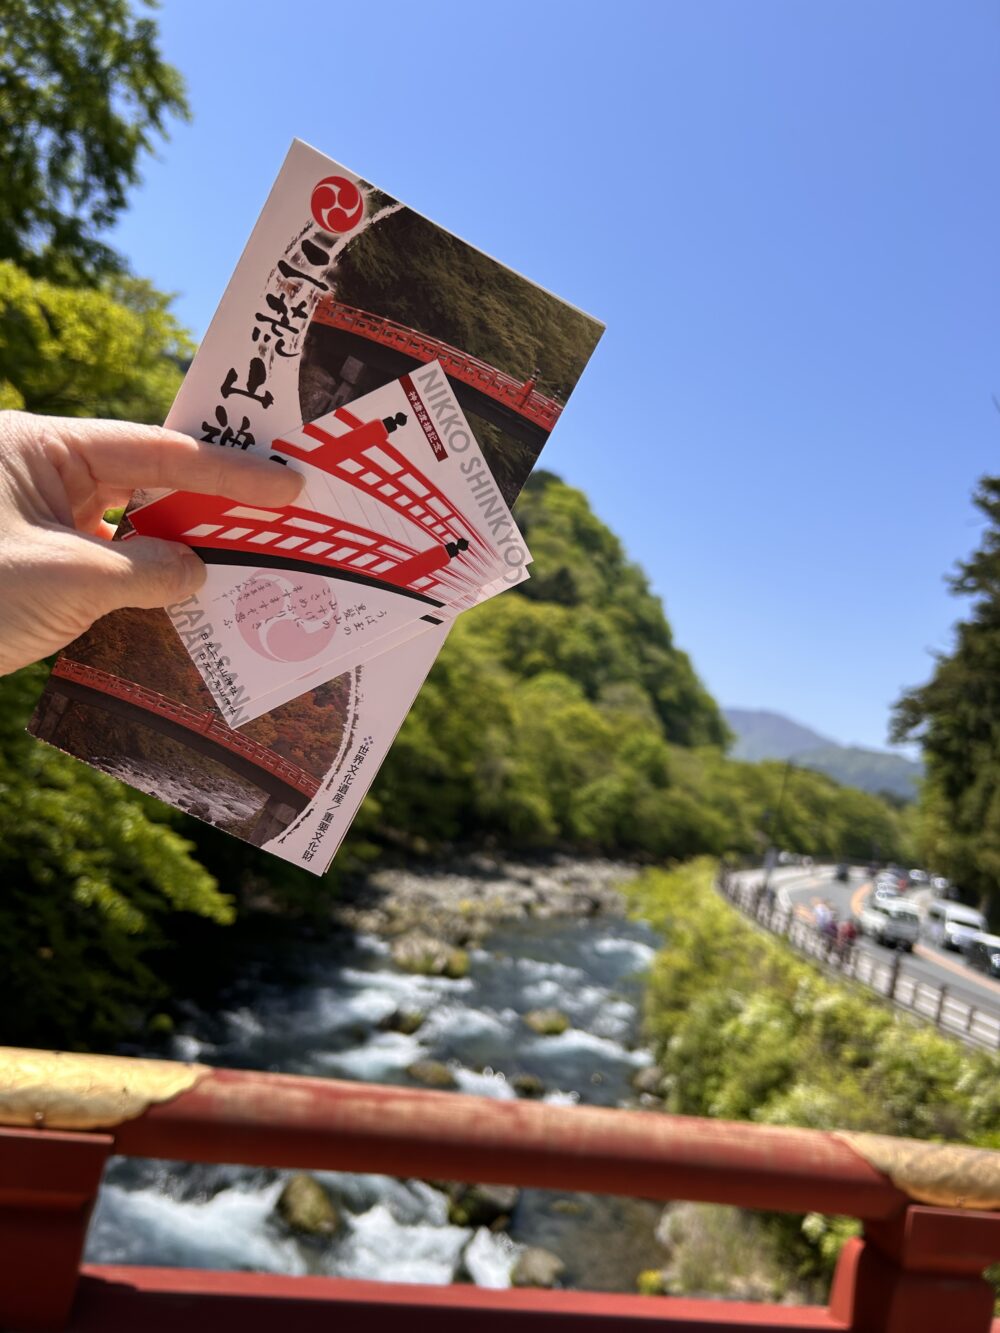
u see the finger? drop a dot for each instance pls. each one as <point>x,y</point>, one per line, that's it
<point>144,571</point>
<point>121,454</point>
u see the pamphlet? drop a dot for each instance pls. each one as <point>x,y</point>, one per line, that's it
<point>398,523</point>
<point>347,312</point>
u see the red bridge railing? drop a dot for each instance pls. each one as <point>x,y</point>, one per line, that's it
<point>918,1267</point>
<point>203,722</point>
<point>518,396</point>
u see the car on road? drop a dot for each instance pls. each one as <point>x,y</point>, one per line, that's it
<point>884,890</point>
<point>983,954</point>
<point>952,925</point>
<point>893,922</point>
<point>843,873</point>
<point>918,877</point>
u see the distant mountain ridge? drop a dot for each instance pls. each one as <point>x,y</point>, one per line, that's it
<point>764,735</point>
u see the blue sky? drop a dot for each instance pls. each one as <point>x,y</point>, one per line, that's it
<point>786,214</point>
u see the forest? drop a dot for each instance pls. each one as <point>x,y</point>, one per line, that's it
<point>562,715</point>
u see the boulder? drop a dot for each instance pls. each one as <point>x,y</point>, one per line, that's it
<point>429,957</point>
<point>547,1022</point>
<point>432,1073</point>
<point>482,1205</point>
<point>649,1081</point>
<point>406,1021</point>
<point>304,1206</point>
<point>536,1267</point>
<point>528,1085</point>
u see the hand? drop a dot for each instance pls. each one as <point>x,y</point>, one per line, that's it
<point>59,572</point>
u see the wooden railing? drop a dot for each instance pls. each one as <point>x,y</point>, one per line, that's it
<point>976,1024</point>
<point>917,1268</point>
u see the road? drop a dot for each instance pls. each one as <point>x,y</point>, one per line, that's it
<point>805,888</point>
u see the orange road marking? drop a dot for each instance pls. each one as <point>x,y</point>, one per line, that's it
<point>859,895</point>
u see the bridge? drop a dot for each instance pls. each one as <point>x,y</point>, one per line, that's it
<point>515,405</point>
<point>441,560</point>
<point>928,1210</point>
<point>289,788</point>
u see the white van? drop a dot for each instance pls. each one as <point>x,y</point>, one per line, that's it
<point>894,922</point>
<point>952,925</point>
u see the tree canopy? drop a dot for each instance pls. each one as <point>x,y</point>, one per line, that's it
<point>113,351</point>
<point>956,718</point>
<point>83,94</point>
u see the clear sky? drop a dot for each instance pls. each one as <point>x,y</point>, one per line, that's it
<point>785,212</point>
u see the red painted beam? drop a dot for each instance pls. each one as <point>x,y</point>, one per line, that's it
<point>287,1121</point>
<point>158,1300</point>
<point>48,1184</point>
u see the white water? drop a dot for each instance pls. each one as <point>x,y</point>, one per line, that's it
<point>328,1024</point>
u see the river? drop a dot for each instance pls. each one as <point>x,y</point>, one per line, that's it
<point>334,1020</point>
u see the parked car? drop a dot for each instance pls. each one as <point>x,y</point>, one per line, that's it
<point>983,954</point>
<point>952,925</point>
<point>918,877</point>
<point>891,921</point>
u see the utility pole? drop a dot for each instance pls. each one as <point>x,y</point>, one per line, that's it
<point>772,822</point>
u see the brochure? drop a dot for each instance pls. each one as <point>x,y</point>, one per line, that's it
<point>397,524</point>
<point>353,329</point>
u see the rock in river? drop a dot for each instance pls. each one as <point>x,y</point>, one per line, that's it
<point>305,1206</point>
<point>434,1073</point>
<point>406,1021</point>
<point>423,954</point>
<point>547,1022</point>
<point>481,1205</point>
<point>528,1085</point>
<point>536,1267</point>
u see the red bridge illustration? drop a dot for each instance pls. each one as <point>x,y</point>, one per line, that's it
<point>289,788</point>
<point>360,455</point>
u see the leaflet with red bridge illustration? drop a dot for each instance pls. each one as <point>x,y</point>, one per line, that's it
<point>399,526</point>
<point>429,377</point>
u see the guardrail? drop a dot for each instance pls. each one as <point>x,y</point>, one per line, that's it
<point>918,1267</point>
<point>974,1024</point>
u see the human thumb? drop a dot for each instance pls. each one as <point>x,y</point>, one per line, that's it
<point>142,571</point>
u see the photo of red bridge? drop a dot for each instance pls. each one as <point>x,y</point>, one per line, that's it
<point>288,787</point>
<point>518,396</point>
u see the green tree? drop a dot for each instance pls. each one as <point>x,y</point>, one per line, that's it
<point>116,351</point>
<point>83,94</point>
<point>956,718</point>
<point>92,874</point>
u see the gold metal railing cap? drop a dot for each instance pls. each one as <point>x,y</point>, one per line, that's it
<point>948,1175</point>
<point>63,1090</point>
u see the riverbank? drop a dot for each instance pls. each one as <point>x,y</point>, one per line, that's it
<point>743,1029</point>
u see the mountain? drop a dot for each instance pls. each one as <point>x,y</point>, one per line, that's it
<point>764,735</point>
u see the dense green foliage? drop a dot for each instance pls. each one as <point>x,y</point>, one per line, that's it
<point>744,1030</point>
<point>83,93</point>
<point>747,1031</point>
<point>92,876</point>
<point>439,272</point>
<point>564,712</point>
<point>559,714</point>
<point>956,718</point>
<point>544,723</point>
<point>115,351</point>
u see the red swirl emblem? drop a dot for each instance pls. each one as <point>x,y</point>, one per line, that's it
<point>337,204</point>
